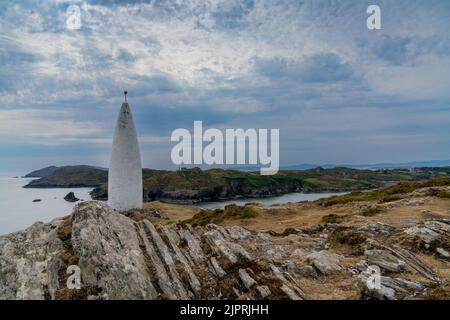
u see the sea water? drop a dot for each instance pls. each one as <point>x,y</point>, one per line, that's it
<point>18,211</point>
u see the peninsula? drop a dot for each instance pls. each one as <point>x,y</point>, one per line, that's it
<point>195,185</point>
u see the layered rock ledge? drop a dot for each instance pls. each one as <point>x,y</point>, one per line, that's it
<point>120,258</point>
<point>124,258</point>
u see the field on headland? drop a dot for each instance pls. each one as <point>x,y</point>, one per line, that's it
<point>401,204</point>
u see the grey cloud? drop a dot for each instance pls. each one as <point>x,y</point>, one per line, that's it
<point>160,84</point>
<point>321,67</point>
<point>228,16</point>
<point>405,50</point>
<point>124,55</point>
<point>394,50</point>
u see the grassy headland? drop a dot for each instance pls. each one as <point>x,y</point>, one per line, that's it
<point>391,193</point>
<point>196,185</point>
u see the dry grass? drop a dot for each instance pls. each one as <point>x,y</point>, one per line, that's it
<point>230,212</point>
<point>175,212</point>
<point>334,287</point>
<point>333,218</point>
<point>64,232</point>
<point>304,215</point>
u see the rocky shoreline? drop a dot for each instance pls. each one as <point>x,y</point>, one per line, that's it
<point>141,255</point>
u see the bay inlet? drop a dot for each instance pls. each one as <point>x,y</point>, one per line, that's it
<point>18,211</point>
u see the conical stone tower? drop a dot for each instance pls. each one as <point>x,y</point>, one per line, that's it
<point>125,167</point>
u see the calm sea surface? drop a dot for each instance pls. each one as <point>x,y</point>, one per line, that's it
<point>18,211</point>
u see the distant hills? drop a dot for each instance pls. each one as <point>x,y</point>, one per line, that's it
<point>387,165</point>
<point>41,173</point>
<point>195,185</point>
<point>68,177</point>
<point>48,171</point>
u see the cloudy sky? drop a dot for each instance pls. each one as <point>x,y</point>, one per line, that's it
<point>338,92</point>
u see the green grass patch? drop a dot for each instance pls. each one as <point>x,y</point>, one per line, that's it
<point>347,240</point>
<point>387,194</point>
<point>370,212</point>
<point>443,194</point>
<point>332,218</point>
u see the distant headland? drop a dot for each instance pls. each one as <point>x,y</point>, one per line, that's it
<point>195,185</point>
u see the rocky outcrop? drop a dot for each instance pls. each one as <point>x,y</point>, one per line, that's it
<point>385,260</point>
<point>387,288</point>
<point>324,262</point>
<point>120,258</point>
<point>30,262</point>
<point>432,233</point>
<point>130,257</point>
<point>70,197</point>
